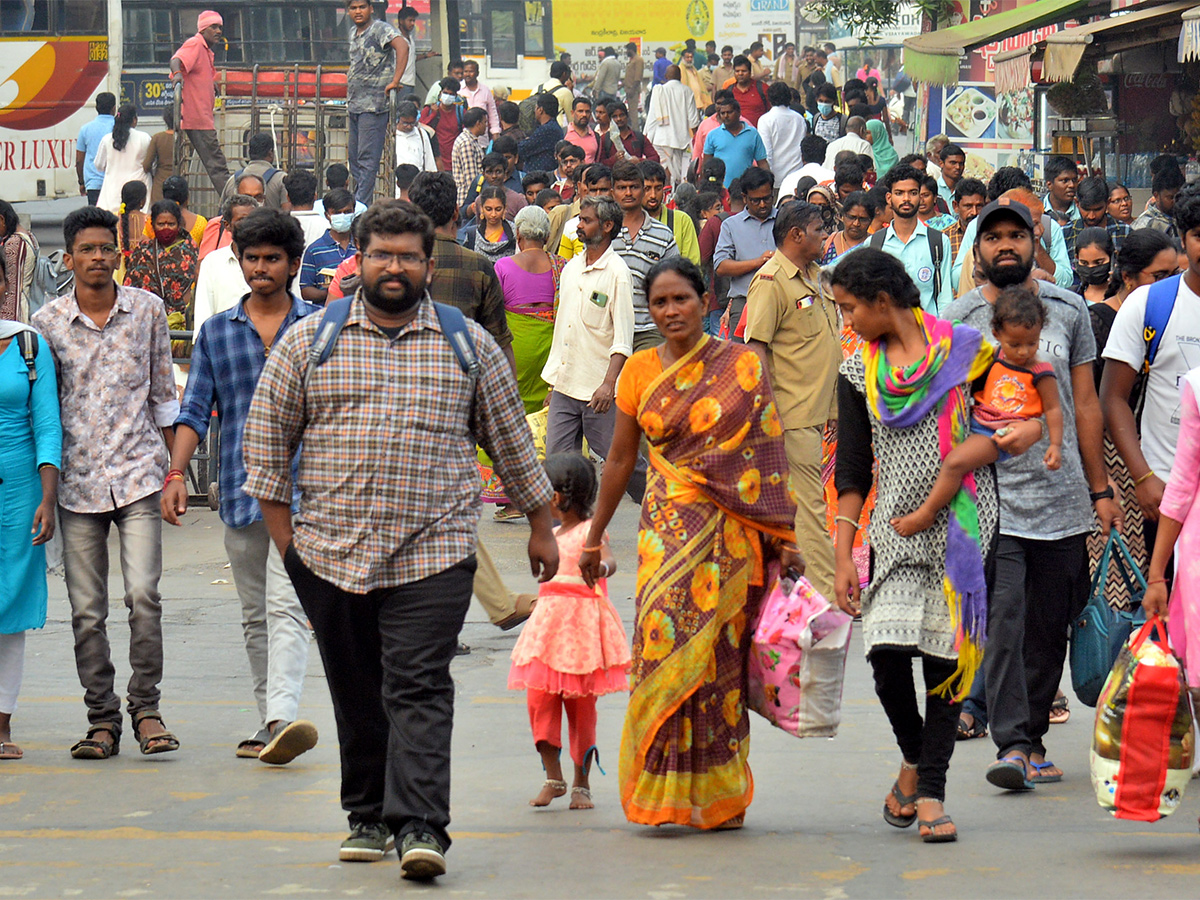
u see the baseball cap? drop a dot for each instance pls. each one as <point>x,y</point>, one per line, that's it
<point>1005,207</point>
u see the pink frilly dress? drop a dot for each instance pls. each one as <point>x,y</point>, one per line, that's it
<point>1179,502</point>
<point>574,643</point>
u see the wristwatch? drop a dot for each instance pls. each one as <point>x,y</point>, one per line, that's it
<point>1106,494</point>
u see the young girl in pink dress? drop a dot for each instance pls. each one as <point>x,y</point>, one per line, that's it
<point>573,648</point>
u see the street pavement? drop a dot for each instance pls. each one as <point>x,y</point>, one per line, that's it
<point>200,823</point>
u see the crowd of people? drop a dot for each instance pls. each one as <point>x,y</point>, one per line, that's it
<point>788,343</point>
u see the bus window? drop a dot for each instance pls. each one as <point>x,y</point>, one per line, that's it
<point>82,17</point>
<point>329,35</point>
<point>536,22</point>
<point>24,16</point>
<point>503,44</point>
<point>264,31</point>
<point>147,36</point>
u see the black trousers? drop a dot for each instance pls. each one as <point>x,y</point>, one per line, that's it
<point>93,196</point>
<point>928,742</point>
<point>1040,587</point>
<point>387,659</point>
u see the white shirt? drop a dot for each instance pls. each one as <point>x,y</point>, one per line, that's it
<point>846,142</point>
<point>220,284</point>
<point>782,129</point>
<point>413,148</point>
<point>672,116</point>
<point>314,224</point>
<point>594,321</point>
<point>1178,353</point>
<point>120,166</point>
<point>811,170</point>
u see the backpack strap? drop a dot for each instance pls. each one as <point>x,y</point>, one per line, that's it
<point>671,220</point>
<point>332,321</point>
<point>878,238</point>
<point>1160,303</point>
<point>454,326</point>
<point>935,254</point>
<point>27,342</point>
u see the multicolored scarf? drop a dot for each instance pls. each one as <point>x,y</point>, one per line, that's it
<point>900,398</point>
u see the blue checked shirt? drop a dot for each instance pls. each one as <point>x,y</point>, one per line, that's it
<point>227,359</point>
<point>1118,231</point>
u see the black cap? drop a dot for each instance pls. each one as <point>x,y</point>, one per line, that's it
<point>1005,207</point>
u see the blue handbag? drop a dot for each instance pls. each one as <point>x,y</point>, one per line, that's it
<point>1099,632</point>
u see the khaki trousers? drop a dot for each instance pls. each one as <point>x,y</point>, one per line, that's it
<point>496,599</point>
<point>803,446</point>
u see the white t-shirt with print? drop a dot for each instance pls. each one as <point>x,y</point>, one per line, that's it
<point>1178,353</point>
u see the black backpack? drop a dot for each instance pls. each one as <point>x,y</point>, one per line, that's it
<point>935,253</point>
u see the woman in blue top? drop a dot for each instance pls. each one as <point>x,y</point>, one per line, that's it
<point>30,450</point>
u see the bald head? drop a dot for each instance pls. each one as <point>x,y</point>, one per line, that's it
<point>857,125</point>
<point>673,73</point>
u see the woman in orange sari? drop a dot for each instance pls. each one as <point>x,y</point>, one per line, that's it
<point>717,508</point>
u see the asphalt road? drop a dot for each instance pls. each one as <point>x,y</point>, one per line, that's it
<point>200,823</point>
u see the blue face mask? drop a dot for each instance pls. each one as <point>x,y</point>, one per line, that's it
<point>341,222</point>
<point>825,109</point>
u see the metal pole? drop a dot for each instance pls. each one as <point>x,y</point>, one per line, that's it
<point>318,132</point>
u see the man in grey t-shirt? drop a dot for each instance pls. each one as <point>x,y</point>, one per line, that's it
<point>1041,560</point>
<point>378,57</point>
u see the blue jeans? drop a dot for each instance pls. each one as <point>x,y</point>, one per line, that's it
<point>712,322</point>
<point>367,132</point>
<point>976,703</point>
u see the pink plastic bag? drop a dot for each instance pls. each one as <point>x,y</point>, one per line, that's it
<point>798,661</point>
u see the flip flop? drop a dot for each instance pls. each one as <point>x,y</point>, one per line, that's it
<point>9,750</point>
<point>904,800</point>
<point>1009,773</point>
<point>974,731</point>
<point>289,741</point>
<point>933,837</point>
<point>1039,778</point>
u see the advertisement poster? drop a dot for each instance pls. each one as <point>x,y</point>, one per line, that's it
<point>583,26</point>
<point>742,22</point>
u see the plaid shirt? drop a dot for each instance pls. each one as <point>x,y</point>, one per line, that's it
<point>389,489</point>
<point>955,233</point>
<point>1116,230</point>
<point>466,279</point>
<point>466,163</point>
<point>227,360</point>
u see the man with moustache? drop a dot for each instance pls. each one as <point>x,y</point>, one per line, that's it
<point>1041,560</point>
<point>382,554</point>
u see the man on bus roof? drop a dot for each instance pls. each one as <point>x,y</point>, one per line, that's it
<point>193,68</point>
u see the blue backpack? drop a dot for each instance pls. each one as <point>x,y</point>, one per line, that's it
<point>454,326</point>
<point>1159,306</point>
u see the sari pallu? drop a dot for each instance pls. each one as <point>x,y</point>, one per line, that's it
<point>718,484</point>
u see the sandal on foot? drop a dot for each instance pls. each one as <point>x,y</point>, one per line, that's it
<point>9,750</point>
<point>93,749</point>
<point>251,747</point>
<point>1039,778</point>
<point>1060,710</point>
<point>974,730</point>
<point>904,800</point>
<point>508,515</point>
<point>161,741</point>
<point>289,740</point>
<point>732,824</point>
<point>1010,774</point>
<point>932,837</point>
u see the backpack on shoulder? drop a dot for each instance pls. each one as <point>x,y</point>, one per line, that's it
<point>51,279</point>
<point>935,254</point>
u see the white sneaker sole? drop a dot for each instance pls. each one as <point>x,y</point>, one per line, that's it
<point>363,854</point>
<point>422,864</point>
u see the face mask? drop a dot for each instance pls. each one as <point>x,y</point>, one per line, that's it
<point>166,236</point>
<point>341,222</point>
<point>825,109</point>
<point>449,99</point>
<point>1094,274</point>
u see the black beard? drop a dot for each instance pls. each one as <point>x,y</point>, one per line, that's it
<point>393,305</point>
<point>1007,275</point>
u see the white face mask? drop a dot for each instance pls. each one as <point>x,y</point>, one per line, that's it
<point>449,99</point>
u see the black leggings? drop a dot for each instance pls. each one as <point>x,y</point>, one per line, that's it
<point>928,743</point>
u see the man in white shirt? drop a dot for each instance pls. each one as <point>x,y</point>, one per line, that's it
<point>413,146</point>
<point>593,335</point>
<point>854,139</point>
<point>782,130</point>
<point>812,151</point>
<point>220,284</point>
<point>479,95</point>
<point>301,187</point>
<point>670,121</point>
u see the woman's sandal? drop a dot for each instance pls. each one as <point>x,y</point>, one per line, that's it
<point>903,799</point>
<point>1060,710</point>
<point>161,741</point>
<point>975,730</point>
<point>92,749</point>
<point>732,824</point>
<point>932,837</point>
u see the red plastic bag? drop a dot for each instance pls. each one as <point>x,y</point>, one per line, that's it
<point>1142,746</point>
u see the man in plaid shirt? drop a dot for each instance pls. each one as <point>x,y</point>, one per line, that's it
<point>382,552</point>
<point>1093,213</point>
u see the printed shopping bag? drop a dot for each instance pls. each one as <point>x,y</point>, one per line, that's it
<point>1142,747</point>
<point>798,661</point>
<point>1099,632</point>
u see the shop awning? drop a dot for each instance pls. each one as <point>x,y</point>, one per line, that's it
<point>933,58</point>
<point>1189,38</point>
<point>1138,28</point>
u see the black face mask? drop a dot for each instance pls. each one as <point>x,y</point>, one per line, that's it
<point>1099,274</point>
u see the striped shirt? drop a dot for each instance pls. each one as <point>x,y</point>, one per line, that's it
<point>389,489</point>
<point>653,242</point>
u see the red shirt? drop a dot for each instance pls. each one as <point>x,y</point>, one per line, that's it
<point>446,128</point>
<point>199,74</point>
<point>753,102</point>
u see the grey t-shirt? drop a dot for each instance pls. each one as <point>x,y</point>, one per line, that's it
<point>1034,501</point>
<point>372,65</point>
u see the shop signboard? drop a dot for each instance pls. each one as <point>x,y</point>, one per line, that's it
<point>742,22</point>
<point>581,27</point>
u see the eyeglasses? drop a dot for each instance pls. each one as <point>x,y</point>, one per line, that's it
<point>379,258</point>
<point>758,201</point>
<point>106,250</point>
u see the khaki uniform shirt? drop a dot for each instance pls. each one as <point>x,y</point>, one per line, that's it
<point>787,310</point>
<point>758,71</point>
<point>720,75</point>
<point>635,74</point>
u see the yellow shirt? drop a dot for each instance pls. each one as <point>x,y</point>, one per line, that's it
<point>787,310</point>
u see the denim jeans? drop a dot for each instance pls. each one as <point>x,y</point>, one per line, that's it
<point>273,623</point>
<point>367,133</point>
<point>85,558</point>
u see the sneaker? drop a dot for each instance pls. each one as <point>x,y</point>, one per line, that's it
<point>368,842</point>
<point>421,856</point>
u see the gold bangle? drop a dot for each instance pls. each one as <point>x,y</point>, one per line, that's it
<point>1149,474</point>
<point>595,549</point>
<point>791,547</point>
<point>849,521</point>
